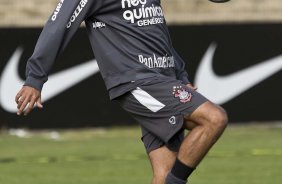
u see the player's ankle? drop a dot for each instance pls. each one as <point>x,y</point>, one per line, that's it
<point>171,179</point>
<point>181,170</point>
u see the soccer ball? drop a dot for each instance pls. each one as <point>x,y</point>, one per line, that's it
<point>219,1</point>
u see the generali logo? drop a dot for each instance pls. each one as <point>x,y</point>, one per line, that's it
<point>138,11</point>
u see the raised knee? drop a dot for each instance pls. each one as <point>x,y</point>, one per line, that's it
<point>219,118</point>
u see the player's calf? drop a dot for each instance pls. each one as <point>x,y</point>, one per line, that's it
<point>209,122</point>
<point>162,160</point>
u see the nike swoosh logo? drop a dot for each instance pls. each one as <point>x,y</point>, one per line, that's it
<point>221,89</point>
<point>10,81</point>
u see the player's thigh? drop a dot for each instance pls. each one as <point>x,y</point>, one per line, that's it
<point>207,113</point>
<point>162,160</point>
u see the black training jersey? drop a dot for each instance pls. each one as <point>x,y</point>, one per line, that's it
<point>130,40</point>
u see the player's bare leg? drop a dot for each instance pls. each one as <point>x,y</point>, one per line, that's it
<point>209,123</point>
<point>211,120</point>
<point>162,160</point>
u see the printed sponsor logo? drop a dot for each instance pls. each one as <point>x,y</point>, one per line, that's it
<point>98,25</point>
<point>57,10</point>
<point>11,82</point>
<point>77,12</point>
<point>172,120</point>
<point>221,89</point>
<point>137,12</point>
<point>157,62</point>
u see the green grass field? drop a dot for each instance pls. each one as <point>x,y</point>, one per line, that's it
<point>249,154</point>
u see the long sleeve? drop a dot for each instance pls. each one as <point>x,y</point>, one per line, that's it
<point>56,34</point>
<point>181,73</point>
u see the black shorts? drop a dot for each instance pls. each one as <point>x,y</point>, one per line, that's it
<point>159,106</point>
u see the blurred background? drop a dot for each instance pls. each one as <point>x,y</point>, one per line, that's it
<point>233,54</point>
<point>17,13</point>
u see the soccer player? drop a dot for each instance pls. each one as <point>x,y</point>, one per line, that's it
<point>142,71</point>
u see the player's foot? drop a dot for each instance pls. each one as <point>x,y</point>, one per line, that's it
<point>171,179</point>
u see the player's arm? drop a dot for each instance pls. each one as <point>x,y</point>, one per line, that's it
<point>180,71</point>
<point>56,34</point>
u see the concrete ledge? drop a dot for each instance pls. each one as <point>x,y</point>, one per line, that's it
<point>35,12</point>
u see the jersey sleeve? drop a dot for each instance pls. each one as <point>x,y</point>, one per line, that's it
<point>56,34</point>
<point>181,73</point>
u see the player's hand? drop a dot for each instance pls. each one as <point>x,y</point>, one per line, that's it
<point>27,98</point>
<point>191,86</point>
